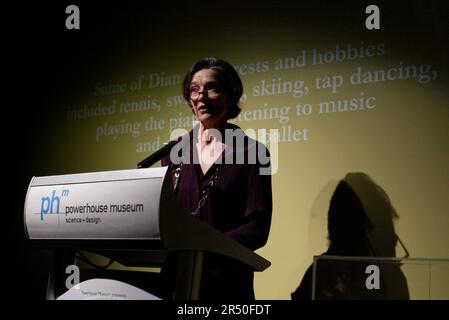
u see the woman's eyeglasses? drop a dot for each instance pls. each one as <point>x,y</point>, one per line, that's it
<point>210,93</point>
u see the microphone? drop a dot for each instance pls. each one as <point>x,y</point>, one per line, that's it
<point>158,155</point>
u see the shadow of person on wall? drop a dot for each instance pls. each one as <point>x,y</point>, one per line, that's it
<point>360,224</point>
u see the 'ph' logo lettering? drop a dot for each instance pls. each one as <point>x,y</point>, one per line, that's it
<point>48,204</point>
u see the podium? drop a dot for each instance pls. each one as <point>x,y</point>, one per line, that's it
<point>130,216</point>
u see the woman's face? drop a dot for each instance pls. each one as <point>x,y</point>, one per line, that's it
<point>207,98</point>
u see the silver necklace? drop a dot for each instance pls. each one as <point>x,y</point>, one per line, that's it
<point>206,190</point>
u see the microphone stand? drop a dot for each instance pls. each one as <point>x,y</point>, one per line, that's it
<point>158,155</point>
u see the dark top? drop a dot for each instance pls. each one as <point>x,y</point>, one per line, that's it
<point>239,204</point>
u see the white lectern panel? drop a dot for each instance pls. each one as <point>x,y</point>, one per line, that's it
<point>122,204</point>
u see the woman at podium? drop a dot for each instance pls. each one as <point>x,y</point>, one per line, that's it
<point>224,180</point>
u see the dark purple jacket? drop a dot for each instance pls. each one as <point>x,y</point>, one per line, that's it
<point>239,205</point>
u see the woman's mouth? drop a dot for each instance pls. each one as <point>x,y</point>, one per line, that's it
<point>203,109</point>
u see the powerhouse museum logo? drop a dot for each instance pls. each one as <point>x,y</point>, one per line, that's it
<point>58,203</point>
